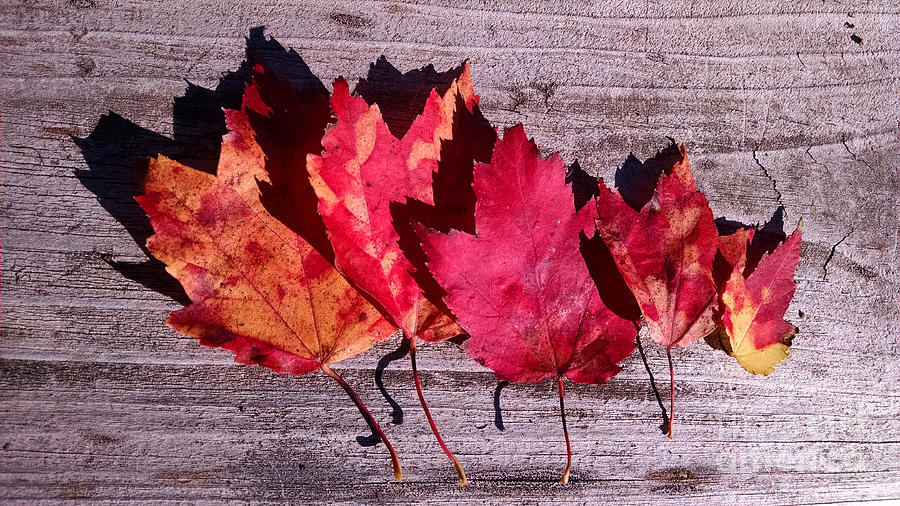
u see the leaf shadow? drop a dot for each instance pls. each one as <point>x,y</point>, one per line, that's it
<point>636,180</point>
<point>117,152</point>
<point>585,187</point>
<point>472,141</point>
<point>383,363</point>
<point>664,426</point>
<point>401,95</point>
<point>765,240</point>
<point>287,134</point>
<point>498,413</point>
<point>600,263</point>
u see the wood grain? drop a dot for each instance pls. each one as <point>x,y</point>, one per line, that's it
<point>777,104</point>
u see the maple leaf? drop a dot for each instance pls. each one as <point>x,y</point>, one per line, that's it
<point>363,180</point>
<point>519,286</point>
<point>257,288</point>
<point>363,170</point>
<point>754,298</point>
<point>664,248</point>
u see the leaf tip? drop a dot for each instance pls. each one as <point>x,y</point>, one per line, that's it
<point>340,88</point>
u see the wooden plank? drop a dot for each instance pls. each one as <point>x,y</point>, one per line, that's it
<point>775,101</point>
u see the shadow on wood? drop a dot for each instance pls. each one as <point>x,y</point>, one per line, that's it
<point>383,363</point>
<point>635,180</point>
<point>401,96</point>
<point>117,150</point>
<point>498,413</point>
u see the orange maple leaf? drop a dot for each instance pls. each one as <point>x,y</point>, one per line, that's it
<point>257,288</point>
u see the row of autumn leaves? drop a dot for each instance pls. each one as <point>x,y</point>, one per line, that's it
<point>322,232</point>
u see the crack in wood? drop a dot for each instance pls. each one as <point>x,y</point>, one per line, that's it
<point>774,184</point>
<point>831,254</point>
<point>853,154</point>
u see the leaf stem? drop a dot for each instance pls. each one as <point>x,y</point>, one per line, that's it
<point>367,416</point>
<point>562,409</point>
<point>412,357</point>
<point>672,384</point>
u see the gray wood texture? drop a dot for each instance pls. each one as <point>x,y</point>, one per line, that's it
<point>779,103</point>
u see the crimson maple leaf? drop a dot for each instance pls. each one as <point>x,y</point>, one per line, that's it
<point>664,248</point>
<point>519,286</point>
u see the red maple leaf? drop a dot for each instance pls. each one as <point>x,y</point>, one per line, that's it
<point>665,251</point>
<point>519,286</point>
<point>369,183</point>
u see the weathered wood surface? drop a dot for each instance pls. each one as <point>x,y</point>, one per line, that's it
<point>775,101</point>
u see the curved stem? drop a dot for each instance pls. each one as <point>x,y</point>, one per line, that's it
<point>395,462</point>
<point>562,409</point>
<point>672,383</point>
<point>412,357</point>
